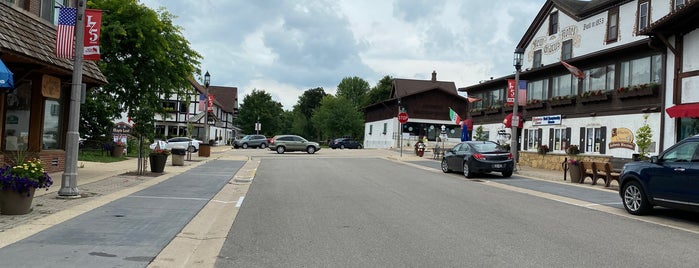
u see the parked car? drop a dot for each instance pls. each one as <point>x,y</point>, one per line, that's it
<point>670,179</point>
<point>254,141</point>
<point>290,143</point>
<point>192,145</point>
<point>343,143</point>
<point>472,157</point>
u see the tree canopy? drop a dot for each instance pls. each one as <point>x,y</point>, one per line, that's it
<point>337,117</point>
<point>380,92</point>
<point>135,42</point>
<point>258,106</point>
<point>353,89</point>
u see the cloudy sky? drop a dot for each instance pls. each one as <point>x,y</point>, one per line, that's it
<point>287,47</point>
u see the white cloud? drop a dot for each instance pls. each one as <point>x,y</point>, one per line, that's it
<point>287,47</point>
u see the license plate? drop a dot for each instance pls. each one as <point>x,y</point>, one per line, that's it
<point>497,166</point>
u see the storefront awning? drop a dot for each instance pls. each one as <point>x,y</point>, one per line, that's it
<point>684,110</point>
<point>6,77</point>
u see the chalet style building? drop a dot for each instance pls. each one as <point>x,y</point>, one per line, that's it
<point>35,111</point>
<point>190,110</point>
<point>427,104</point>
<point>640,59</point>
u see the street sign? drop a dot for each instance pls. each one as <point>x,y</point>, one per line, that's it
<point>402,117</point>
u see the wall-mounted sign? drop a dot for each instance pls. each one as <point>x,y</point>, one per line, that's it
<point>546,120</point>
<point>121,128</point>
<point>622,138</point>
<point>51,86</point>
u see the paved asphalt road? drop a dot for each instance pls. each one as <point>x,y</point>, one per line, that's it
<point>371,212</point>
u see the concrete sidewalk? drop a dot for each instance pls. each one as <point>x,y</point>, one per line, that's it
<point>98,184</point>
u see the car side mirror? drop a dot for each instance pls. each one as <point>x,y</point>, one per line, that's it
<point>654,159</point>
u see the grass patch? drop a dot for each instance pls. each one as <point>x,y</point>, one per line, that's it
<point>106,157</point>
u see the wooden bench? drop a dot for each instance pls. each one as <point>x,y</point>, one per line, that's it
<point>611,174</point>
<point>587,170</point>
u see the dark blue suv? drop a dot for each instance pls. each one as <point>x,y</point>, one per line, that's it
<point>668,180</point>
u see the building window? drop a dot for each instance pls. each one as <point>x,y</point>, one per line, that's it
<point>564,85</point>
<point>371,129</point>
<point>593,140</point>
<point>385,128</point>
<point>613,25</point>
<point>183,107</point>
<point>643,14</point>
<point>533,138</point>
<point>601,78</point>
<point>169,106</point>
<point>688,127</point>
<point>537,90</point>
<point>641,71</point>
<point>18,105</point>
<point>679,4</point>
<point>493,98</point>
<point>51,138</point>
<point>553,23</point>
<point>478,104</point>
<point>559,138</point>
<point>567,50</point>
<point>537,59</point>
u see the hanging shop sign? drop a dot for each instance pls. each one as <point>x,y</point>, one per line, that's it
<point>546,120</point>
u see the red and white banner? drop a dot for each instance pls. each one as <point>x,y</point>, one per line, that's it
<point>522,97</point>
<point>210,103</point>
<point>574,70</point>
<point>93,23</point>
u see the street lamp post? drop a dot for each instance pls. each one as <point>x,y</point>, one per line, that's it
<point>519,52</point>
<point>207,80</point>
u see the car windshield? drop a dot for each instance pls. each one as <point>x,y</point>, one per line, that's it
<point>487,147</point>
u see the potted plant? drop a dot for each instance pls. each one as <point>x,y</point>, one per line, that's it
<point>18,183</point>
<point>158,157</point>
<point>573,164</point>
<point>542,149</point>
<point>118,149</point>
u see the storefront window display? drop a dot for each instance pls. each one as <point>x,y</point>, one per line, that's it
<point>688,127</point>
<point>17,103</point>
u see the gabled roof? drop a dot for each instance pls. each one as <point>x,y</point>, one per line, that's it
<point>29,39</point>
<point>407,87</point>
<point>681,20</point>
<point>226,96</point>
<point>578,10</point>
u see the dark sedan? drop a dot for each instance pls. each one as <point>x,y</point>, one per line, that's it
<point>669,180</point>
<point>472,157</point>
<point>343,143</point>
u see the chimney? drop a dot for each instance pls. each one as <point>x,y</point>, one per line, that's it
<point>434,76</point>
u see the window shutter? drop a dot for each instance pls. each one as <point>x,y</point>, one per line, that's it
<point>551,138</point>
<point>539,133</point>
<point>526,139</point>
<point>568,135</point>
<point>582,140</point>
<point>603,144</point>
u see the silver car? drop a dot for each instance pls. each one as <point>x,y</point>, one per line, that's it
<point>192,145</point>
<point>254,141</point>
<point>290,143</point>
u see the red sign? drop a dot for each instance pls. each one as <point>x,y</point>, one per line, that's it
<point>522,97</point>
<point>210,103</point>
<point>402,117</point>
<point>93,23</point>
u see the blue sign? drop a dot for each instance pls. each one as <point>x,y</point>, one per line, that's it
<point>546,120</point>
<point>5,77</point>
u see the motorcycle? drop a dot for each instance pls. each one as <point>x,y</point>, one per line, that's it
<point>420,149</point>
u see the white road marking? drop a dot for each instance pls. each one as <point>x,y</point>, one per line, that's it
<point>240,201</point>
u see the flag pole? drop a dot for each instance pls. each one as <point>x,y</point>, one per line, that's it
<point>69,180</point>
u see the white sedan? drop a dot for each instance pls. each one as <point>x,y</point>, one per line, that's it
<point>183,142</point>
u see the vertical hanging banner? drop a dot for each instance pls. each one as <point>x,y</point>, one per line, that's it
<point>93,23</point>
<point>210,103</point>
<point>522,98</point>
<point>65,32</point>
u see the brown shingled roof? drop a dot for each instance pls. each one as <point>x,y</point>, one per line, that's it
<point>30,40</point>
<point>407,87</point>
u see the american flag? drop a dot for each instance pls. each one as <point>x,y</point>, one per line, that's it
<point>65,32</point>
<point>202,102</point>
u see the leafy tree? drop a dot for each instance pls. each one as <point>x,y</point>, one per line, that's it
<point>380,92</point>
<point>145,59</point>
<point>644,136</point>
<point>480,134</point>
<point>258,106</point>
<point>354,90</point>
<point>308,102</point>
<point>337,117</point>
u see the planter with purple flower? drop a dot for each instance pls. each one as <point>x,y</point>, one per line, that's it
<point>18,183</point>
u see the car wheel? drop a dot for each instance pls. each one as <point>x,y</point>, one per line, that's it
<point>342,146</point>
<point>311,150</point>
<point>467,170</point>
<point>245,145</point>
<point>507,174</point>
<point>280,149</point>
<point>262,145</point>
<point>635,200</point>
<point>359,146</point>
<point>445,166</point>
<point>191,149</point>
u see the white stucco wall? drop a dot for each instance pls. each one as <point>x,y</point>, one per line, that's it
<point>377,138</point>
<point>632,122</point>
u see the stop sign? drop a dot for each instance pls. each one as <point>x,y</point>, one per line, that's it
<point>402,117</point>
